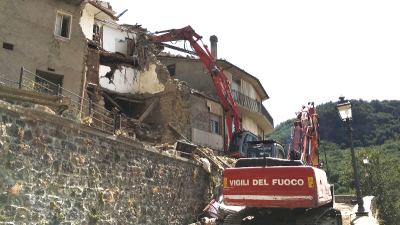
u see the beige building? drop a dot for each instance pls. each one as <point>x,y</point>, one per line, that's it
<point>246,90</point>
<point>75,44</point>
<point>41,35</point>
<point>249,94</point>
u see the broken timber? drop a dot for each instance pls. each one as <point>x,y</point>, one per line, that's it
<point>211,158</point>
<point>148,110</point>
<point>173,128</point>
<point>107,58</point>
<point>112,101</point>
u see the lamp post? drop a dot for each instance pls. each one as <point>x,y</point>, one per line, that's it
<point>366,163</point>
<point>367,174</point>
<point>344,108</point>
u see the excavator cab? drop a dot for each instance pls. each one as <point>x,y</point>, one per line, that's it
<point>240,143</point>
<point>265,148</point>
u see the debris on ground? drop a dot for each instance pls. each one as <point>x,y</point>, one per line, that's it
<point>143,131</point>
<point>220,162</point>
<point>206,164</point>
<point>216,211</point>
<point>200,154</point>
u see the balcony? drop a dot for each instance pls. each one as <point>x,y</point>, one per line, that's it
<point>267,115</point>
<point>252,105</point>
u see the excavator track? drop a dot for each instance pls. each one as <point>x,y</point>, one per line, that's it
<point>235,218</point>
<point>319,216</point>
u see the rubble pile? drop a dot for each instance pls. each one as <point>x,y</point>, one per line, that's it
<point>220,162</point>
<point>143,131</point>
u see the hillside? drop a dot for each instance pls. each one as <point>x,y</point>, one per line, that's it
<point>373,123</point>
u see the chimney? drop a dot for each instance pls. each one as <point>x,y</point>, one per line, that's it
<point>213,41</point>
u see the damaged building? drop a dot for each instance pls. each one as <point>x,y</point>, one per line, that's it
<point>41,36</point>
<point>180,103</point>
<point>81,47</point>
<point>247,91</point>
<point>122,72</point>
<point>118,60</point>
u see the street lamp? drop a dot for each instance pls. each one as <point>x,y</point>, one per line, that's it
<point>367,174</point>
<point>344,108</point>
<point>366,160</point>
<point>366,163</point>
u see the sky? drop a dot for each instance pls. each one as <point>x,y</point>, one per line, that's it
<point>301,51</point>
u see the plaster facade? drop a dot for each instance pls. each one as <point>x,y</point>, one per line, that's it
<point>30,27</point>
<point>129,80</point>
<point>247,91</point>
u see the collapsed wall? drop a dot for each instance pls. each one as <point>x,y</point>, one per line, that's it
<point>173,112</point>
<point>56,171</point>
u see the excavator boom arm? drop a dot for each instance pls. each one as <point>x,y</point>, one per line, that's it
<point>305,136</point>
<point>220,81</point>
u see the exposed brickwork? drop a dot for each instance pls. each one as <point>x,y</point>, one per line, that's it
<point>55,171</point>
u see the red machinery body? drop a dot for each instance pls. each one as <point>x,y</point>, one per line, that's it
<point>296,182</point>
<point>305,136</point>
<point>277,186</point>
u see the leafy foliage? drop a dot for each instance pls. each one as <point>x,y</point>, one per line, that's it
<point>380,177</point>
<point>282,132</point>
<point>373,123</point>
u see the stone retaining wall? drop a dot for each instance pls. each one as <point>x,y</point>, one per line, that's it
<point>57,171</point>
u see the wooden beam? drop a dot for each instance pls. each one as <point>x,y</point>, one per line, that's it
<point>173,128</point>
<point>112,101</point>
<point>129,100</point>
<point>148,110</point>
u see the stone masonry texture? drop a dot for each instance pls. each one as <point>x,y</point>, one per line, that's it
<point>56,171</point>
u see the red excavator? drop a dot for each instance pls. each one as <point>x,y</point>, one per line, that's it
<point>236,137</point>
<point>271,190</point>
<point>283,191</point>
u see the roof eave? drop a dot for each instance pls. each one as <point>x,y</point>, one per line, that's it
<point>265,97</point>
<point>265,94</point>
<point>104,10</point>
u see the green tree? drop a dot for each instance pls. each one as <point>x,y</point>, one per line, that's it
<point>282,132</point>
<point>380,178</point>
<point>373,123</point>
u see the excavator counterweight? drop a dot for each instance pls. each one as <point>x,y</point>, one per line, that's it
<point>276,186</point>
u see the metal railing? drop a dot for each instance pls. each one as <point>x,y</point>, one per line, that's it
<point>251,104</point>
<point>246,101</point>
<point>79,108</point>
